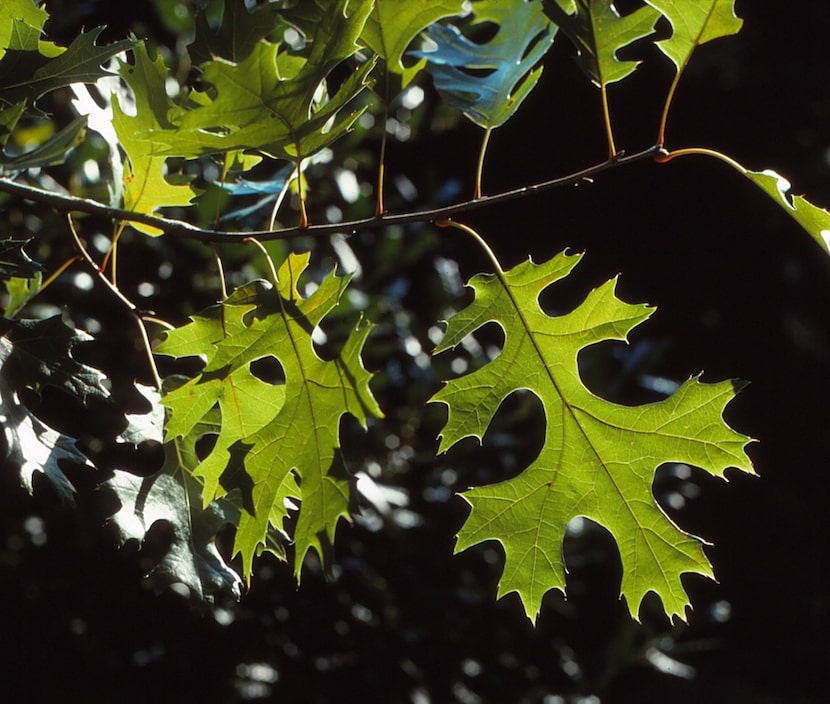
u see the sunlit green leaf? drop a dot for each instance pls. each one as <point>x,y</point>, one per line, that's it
<point>392,26</point>
<point>598,458</point>
<point>21,24</point>
<point>20,291</point>
<point>599,33</point>
<point>281,432</point>
<point>815,220</point>
<point>146,187</point>
<point>695,22</point>
<point>257,107</point>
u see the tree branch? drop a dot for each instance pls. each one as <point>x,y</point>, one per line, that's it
<point>67,204</point>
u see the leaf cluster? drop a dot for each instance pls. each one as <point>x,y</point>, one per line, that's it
<point>271,91</point>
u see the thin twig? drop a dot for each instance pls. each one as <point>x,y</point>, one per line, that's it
<point>179,228</point>
<point>134,310</point>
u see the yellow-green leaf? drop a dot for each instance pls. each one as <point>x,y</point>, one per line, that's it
<point>281,440</point>
<point>598,458</point>
<point>146,187</point>
<point>815,220</point>
<point>695,22</point>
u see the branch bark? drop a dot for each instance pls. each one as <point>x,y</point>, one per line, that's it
<point>68,204</point>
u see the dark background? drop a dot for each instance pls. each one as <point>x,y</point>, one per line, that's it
<point>741,293</point>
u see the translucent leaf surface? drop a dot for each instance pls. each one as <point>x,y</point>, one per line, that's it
<point>260,106</point>
<point>489,81</point>
<point>598,33</point>
<point>598,458</point>
<point>393,25</point>
<point>815,220</point>
<point>21,23</point>
<point>19,292</point>
<point>275,434</point>
<point>145,186</point>
<point>695,22</point>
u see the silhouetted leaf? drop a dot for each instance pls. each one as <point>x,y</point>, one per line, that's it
<point>41,355</point>
<point>15,262</point>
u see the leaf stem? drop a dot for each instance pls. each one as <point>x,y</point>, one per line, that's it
<point>180,228</point>
<point>491,255</point>
<point>134,311</point>
<point>111,252</point>
<point>252,240</point>
<point>379,205</point>
<point>277,203</point>
<point>301,191</point>
<point>661,133</point>
<point>221,271</point>
<point>606,115</point>
<point>665,157</point>
<point>480,166</point>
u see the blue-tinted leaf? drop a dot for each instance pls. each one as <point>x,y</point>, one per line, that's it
<point>457,63</point>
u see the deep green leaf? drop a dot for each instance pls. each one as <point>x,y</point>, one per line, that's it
<point>507,60</point>
<point>239,30</point>
<point>30,444</point>
<point>147,426</point>
<point>598,33</point>
<point>41,355</point>
<point>51,151</point>
<point>9,117</point>
<point>598,459</point>
<point>26,75</point>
